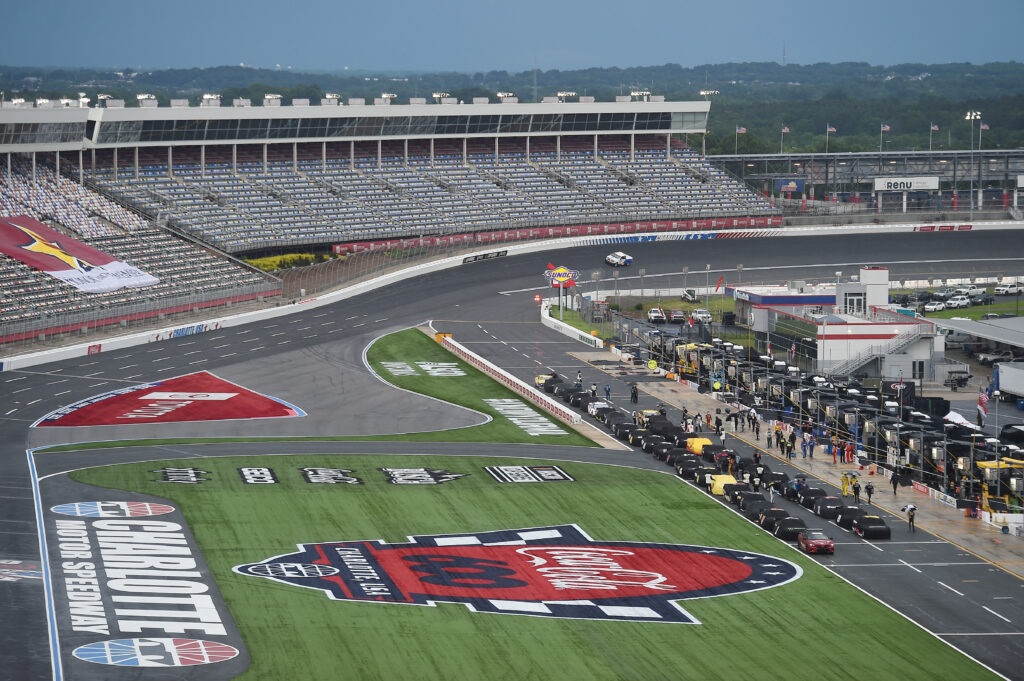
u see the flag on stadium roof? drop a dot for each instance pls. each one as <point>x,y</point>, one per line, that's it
<point>740,130</point>
<point>785,129</point>
<point>984,126</point>
<point>935,128</point>
<point>885,127</point>
<point>829,128</point>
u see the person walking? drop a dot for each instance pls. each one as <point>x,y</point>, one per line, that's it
<point>811,442</point>
<point>718,426</point>
<point>856,491</point>
<point>850,451</point>
<point>895,482</point>
<point>869,489</point>
<point>579,377</point>
<point>634,395</point>
<point>707,417</point>
<point>593,389</point>
<point>757,430</point>
<point>844,482</point>
<point>607,392</point>
<point>911,513</point>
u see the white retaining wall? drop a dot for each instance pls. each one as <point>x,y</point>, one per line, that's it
<point>521,388</point>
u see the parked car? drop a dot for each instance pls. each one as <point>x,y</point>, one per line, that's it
<point>619,259</point>
<point>871,527</point>
<point>944,293</point>
<point>677,317</point>
<point>815,541</point>
<point>770,516</point>
<point>788,528</point>
<point>827,507</point>
<point>990,358</point>
<point>934,306</point>
<point>958,301</point>
<point>656,316</point>
<point>701,315</point>
<point>983,299</point>
<point>807,496</point>
<point>848,514</point>
<point>969,290</point>
<point>1006,290</point>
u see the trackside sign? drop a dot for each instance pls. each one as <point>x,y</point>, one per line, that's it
<point>905,184</point>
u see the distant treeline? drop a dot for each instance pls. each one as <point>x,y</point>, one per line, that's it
<point>856,98</point>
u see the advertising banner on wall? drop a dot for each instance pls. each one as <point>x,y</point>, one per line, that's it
<point>789,186</point>
<point>47,250</point>
<point>906,184</point>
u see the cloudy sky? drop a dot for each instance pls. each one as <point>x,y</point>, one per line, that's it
<point>478,35</point>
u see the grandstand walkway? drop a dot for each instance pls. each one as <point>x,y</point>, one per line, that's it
<point>1005,551</point>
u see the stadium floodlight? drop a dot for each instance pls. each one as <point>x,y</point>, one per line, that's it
<point>388,95</point>
<point>504,95</point>
<point>438,96</point>
<point>566,93</point>
<point>707,93</point>
<point>103,97</point>
<point>972,116</point>
<point>640,93</point>
<point>142,96</point>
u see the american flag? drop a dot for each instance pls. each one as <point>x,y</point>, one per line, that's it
<point>785,130</point>
<point>983,403</point>
<point>792,349</point>
<point>935,128</point>
<point>830,128</point>
<point>740,130</point>
<point>983,126</point>
<point>769,347</point>
<point>885,127</point>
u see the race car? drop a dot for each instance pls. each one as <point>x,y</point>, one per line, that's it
<point>815,541</point>
<point>871,526</point>
<point>788,527</point>
<point>619,259</point>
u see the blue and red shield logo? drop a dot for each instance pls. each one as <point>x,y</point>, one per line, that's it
<point>555,571</point>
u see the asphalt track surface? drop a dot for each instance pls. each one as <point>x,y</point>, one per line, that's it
<point>313,359</point>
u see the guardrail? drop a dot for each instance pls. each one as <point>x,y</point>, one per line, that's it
<point>567,330</point>
<point>517,386</point>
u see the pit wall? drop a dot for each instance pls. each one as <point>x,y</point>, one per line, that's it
<point>475,259</point>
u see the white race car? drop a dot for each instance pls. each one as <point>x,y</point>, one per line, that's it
<point>618,259</point>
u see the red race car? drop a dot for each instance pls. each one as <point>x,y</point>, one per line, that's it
<point>815,541</point>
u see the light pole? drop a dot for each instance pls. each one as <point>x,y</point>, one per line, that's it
<point>972,116</point>
<point>838,275</point>
<point>995,398</point>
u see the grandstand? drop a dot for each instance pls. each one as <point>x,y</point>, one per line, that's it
<point>167,188</point>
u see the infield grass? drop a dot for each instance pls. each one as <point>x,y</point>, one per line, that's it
<point>817,627</point>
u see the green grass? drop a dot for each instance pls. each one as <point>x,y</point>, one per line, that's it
<point>404,346</point>
<point>816,627</point>
<point>470,390</point>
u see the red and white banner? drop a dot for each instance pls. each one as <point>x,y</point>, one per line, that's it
<point>67,259</point>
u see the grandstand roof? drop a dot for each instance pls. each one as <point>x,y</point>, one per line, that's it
<point>86,128</point>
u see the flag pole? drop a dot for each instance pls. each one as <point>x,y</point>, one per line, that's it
<point>736,141</point>
<point>826,138</point>
<point>930,131</point>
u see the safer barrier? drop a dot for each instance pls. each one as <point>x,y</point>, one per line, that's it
<point>521,388</point>
<point>566,330</point>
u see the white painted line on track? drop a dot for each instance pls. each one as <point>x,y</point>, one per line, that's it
<point>352,317</point>
<point>359,324</point>
<point>86,364</point>
<point>335,330</point>
<point>194,352</point>
<point>95,385</point>
<point>199,361</point>
<point>326,323</point>
<point>127,378</point>
<point>322,314</point>
<point>984,633</point>
<point>20,390</point>
<point>876,548</point>
<point>188,343</point>
<point>243,332</point>
<point>11,411</point>
<point>950,588</point>
<point>39,400</point>
<point>161,359</point>
<point>63,380</point>
<point>909,565</point>
<point>251,340</point>
<point>128,366</point>
<point>218,347</point>
<point>283,342</point>
<point>378,321</point>
<point>995,613</point>
<point>63,393</point>
<point>304,328</point>
<point>270,326</point>
<point>20,378</point>
<point>275,335</point>
<point>165,369</point>
<point>229,354</point>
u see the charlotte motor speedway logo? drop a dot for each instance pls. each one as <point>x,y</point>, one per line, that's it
<point>555,571</point>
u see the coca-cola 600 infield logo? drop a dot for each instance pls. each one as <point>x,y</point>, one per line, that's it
<point>555,571</point>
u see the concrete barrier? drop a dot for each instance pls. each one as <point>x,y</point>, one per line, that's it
<point>567,330</point>
<point>521,388</point>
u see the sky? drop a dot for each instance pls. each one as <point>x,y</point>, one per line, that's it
<point>483,35</point>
